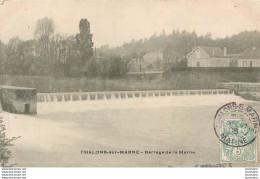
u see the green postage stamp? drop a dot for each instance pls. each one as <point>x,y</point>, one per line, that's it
<point>236,126</point>
<point>234,130</point>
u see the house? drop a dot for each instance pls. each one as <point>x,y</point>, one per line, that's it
<point>153,61</point>
<point>137,63</point>
<point>233,59</point>
<point>18,100</point>
<point>144,62</point>
<point>153,57</point>
<point>171,57</point>
<point>249,58</point>
<point>208,57</point>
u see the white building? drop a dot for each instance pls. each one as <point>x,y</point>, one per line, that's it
<point>249,58</point>
<point>208,57</point>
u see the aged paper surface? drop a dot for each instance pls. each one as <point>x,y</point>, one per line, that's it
<point>129,83</point>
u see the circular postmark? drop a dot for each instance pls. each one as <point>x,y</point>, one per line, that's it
<point>236,125</point>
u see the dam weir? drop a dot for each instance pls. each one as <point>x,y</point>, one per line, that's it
<point>113,95</point>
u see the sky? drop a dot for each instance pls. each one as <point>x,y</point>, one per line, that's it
<point>114,22</point>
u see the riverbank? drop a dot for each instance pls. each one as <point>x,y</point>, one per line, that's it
<point>170,80</point>
<point>254,96</point>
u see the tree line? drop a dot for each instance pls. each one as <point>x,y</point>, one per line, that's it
<point>52,54</point>
<point>178,44</point>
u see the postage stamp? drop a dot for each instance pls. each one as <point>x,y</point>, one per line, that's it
<point>232,130</point>
<point>236,126</point>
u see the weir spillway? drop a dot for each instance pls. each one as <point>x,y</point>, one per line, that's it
<point>113,95</point>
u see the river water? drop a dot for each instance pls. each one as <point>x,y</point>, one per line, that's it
<point>60,132</point>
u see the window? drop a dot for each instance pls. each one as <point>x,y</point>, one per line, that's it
<point>251,64</point>
<point>244,63</point>
<point>198,64</point>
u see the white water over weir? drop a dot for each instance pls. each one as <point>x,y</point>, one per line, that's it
<point>109,95</point>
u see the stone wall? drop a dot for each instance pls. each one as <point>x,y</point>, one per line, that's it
<point>19,100</point>
<point>240,86</point>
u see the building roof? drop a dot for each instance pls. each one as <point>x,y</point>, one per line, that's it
<point>138,55</point>
<point>151,56</point>
<point>213,51</point>
<point>210,51</point>
<point>251,53</point>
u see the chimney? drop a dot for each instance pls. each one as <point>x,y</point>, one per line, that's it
<point>225,51</point>
<point>213,52</point>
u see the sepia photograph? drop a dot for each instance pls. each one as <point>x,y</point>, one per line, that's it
<point>120,83</point>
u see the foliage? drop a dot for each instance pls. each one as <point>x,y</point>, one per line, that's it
<point>91,68</point>
<point>172,79</point>
<point>5,153</point>
<point>72,56</point>
<point>113,66</point>
<point>44,28</point>
<point>84,41</point>
<point>49,54</point>
<point>19,56</point>
<point>2,56</point>
<point>178,44</point>
<point>43,47</point>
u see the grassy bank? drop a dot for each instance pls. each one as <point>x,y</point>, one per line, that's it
<point>170,80</point>
<point>51,84</point>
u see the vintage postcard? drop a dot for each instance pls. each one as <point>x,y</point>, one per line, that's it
<point>120,83</point>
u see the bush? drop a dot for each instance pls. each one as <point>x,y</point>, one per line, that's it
<point>5,153</point>
<point>112,66</point>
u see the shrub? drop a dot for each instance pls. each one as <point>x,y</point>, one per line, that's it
<point>5,153</point>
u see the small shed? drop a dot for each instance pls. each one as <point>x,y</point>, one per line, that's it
<point>18,100</point>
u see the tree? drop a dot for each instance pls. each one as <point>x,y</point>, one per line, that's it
<point>113,66</point>
<point>44,28</point>
<point>20,56</point>
<point>71,67</point>
<point>91,68</point>
<point>2,57</point>
<point>43,32</point>
<point>5,153</point>
<point>84,42</point>
<point>13,56</point>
